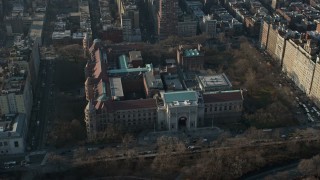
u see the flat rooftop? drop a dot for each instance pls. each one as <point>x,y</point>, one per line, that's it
<point>180,96</point>
<point>14,79</point>
<point>153,81</point>
<point>173,81</point>
<point>219,80</point>
<point>36,29</point>
<point>116,87</point>
<point>135,55</point>
<point>11,125</point>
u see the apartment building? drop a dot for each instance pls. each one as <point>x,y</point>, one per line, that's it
<point>264,33</point>
<point>280,47</point>
<point>16,93</point>
<point>167,18</point>
<point>13,132</point>
<point>290,56</point>
<point>315,87</point>
<point>187,28</point>
<point>297,54</point>
<point>208,25</point>
<point>272,41</point>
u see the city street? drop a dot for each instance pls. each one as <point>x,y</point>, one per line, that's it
<point>42,108</point>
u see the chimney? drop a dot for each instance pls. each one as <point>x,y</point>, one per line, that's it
<point>199,47</point>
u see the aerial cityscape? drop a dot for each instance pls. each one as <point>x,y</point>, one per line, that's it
<point>159,89</point>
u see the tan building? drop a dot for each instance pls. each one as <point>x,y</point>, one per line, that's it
<point>297,55</point>
<point>303,68</point>
<point>280,48</point>
<point>290,56</point>
<point>264,33</point>
<point>272,41</point>
<point>315,88</point>
<point>299,65</point>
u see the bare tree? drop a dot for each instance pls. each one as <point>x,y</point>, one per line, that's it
<point>310,167</point>
<point>58,161</point>
<point>126,140</point>
<point>170,153</point>
<point>251,81</point>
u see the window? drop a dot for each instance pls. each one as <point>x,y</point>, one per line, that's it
<point>230,107</point>
<point>225,107</point>
<point>172,126</point>
<point>5,143</point>
<point>191,124</point>
<point>220,108</point>
<point>16,144</point>
<point>205,110</point>
<point>210,109</point>
<point>215,108</point>
<point>0,144</point>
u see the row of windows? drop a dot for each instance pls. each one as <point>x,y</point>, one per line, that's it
<point>135,115</point>
<point>6,151</point>
<point>128,120</point>
<point>5,143</point>
<point>224,104</point>
<point>174,113</point>
<point>137,111</point>
<point>221,108</point>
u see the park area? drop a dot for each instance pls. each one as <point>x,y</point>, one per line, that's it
<point>68,125</point>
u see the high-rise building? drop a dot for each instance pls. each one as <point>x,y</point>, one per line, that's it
<point>209,25</point>
<point>167,17</point>
<point>1,9</point>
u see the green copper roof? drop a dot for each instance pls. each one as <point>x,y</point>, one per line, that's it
<point>180,96</point>
<point>148,68</point>
<point>191,52</point>
<point>123,62</point>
